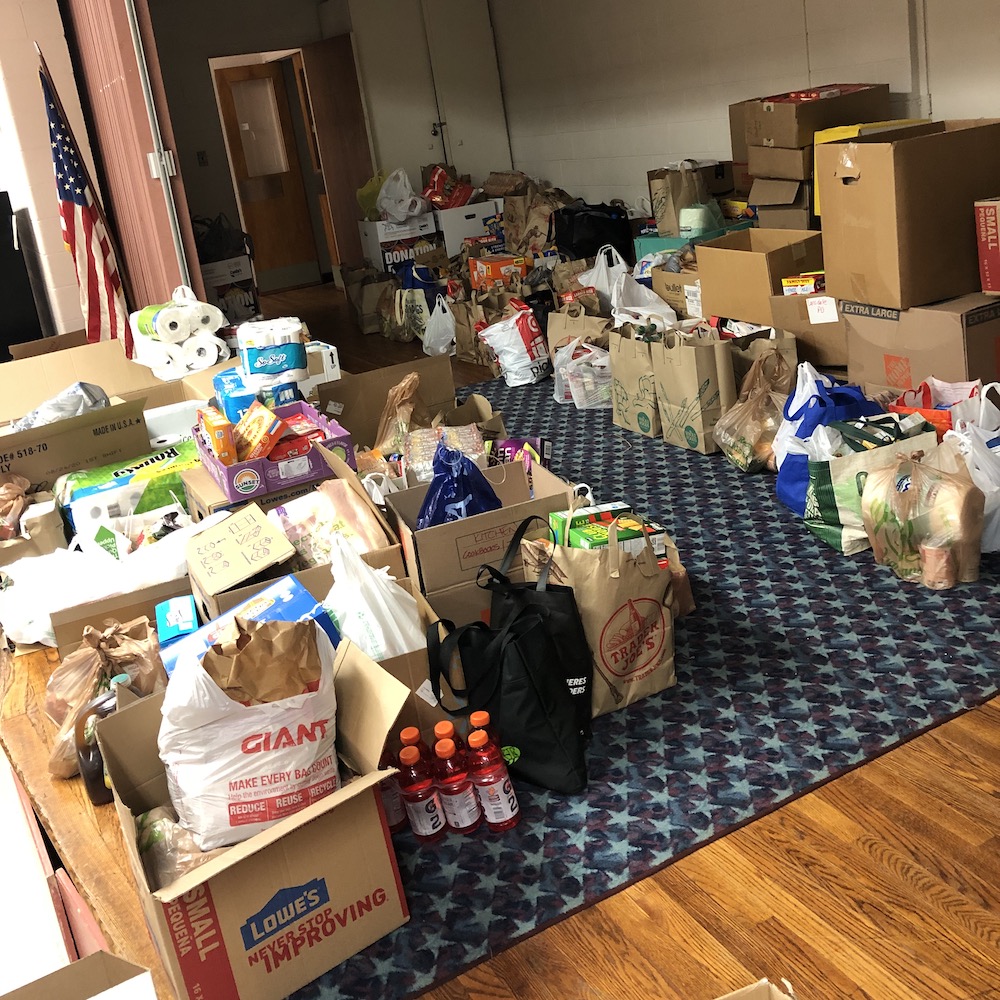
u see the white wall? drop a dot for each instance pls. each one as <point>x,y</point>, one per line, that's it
<point>598,93</point>
<point>963,56</point>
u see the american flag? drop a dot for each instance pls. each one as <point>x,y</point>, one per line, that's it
<point>84,233</point>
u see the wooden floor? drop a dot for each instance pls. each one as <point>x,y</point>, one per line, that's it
<point>882,885</point>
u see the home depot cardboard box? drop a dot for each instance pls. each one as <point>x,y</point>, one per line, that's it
<point>988,243</point>
<point>778,121</point>
<point>956,341</point>
<point>816,322</point>
<point>98,975</point>
<point>899,227</point>
<point>450,554</point>
<point>741,271</point>
<point>271,914</point>
<point>777,162</point>
<point>782,204</point>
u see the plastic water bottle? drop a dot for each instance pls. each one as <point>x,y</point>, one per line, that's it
<point>445,730</point>
<point>458,794</point>
<point>420,797</point>
<point>410,737</point>
<point>88,754</point>
<point>493,785</point>
<point>392,797</point>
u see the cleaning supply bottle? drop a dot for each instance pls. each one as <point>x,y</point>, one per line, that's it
<point>420,797</point>
<point>392,797</point>
<point>88,754</point>
<point>458,794</point>
<point>410,737</point>
<point>488,773</point>
<point>445,730</point>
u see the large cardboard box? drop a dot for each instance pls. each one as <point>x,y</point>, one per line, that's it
<point>98,975</point>
<point>782,204</point>
<point>450,554</point>
<point>271,914</point>
<point>988,241</point>
<point>386,245</point>
<point>738,139</point>
<point>455,224</point>
<point>786,164</point>
<point>46,345</point>
<point>820,334</point>
<point>956,341</point>
<point>780,121</point>
<point>741,271</point>
<point>899,227</point>
<point>205,496</point>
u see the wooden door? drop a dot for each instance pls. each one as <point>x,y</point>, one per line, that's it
<point>140,210</point>
<point>338,118</point>
<point>256,116</point>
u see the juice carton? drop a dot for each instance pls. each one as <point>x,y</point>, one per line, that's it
<point>218,432</point>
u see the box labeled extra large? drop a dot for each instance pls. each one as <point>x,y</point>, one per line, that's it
<point>955,341</point>
<point>741,271</point>
<point>899,228</point>
<point>275,912</point>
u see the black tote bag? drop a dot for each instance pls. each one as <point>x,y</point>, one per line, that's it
<point>508,672</point>
<point>579,230</point>
<point>557,606</point>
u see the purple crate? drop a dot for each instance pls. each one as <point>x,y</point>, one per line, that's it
<point>243,481</point>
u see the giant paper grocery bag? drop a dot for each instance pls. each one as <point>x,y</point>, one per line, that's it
<point>695,386</point>
<point>633,384</point>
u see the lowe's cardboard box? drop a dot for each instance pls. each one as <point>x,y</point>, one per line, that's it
<point>742,270</point>
<point>898,223</point>
<point>956,341</point>
<point>273,913</point>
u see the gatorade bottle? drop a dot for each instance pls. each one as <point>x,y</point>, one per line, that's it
<point>88,755</point>
<point>446,731</point>
<point>392,798</point>
<point>458,795</point>
<point>410,737</point>
<point>489,774</point>
<point>481,720</point>
<point>420,796</point>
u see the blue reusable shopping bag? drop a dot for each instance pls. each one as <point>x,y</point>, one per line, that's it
<point>826,404</point>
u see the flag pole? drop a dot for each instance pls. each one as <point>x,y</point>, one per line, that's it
<point>122,271</point>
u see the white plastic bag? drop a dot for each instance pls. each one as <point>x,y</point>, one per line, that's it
<point>439,333</point>
<point>218,752</point>
<point>370,608</point>
<point>397,200</point>
<point>645,265</point>
<point>805,388</point>
<point>562,357</point>
<point>588,376</point>
<point>983,463</point>
<point>519,345</point>
<point>603,275</point>
<point>632,302</point>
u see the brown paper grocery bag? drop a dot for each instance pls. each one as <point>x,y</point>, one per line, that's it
<point>694,388</point>
<point>633,384</point>
<point>670,190</point>
<point>624,602</point>
<point>468,346</point>
<point>570,322</point>
<point>746,350</point>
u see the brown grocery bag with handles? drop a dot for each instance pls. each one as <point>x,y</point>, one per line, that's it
<point>624,602</point>
<point>633,384</point>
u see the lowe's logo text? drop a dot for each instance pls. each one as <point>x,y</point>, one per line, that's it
<point>283,908</point>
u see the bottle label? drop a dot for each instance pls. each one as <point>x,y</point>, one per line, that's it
<point>498,800</point>
<point>392,802</point>
<point>461,809</point>
<point>426,816</point>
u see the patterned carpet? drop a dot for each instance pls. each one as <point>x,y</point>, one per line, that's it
<point>799,664</point>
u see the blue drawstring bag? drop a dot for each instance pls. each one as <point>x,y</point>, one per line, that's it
<point>458,489</point>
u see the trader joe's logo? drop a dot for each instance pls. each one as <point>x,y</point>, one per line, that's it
<point>633,637</point>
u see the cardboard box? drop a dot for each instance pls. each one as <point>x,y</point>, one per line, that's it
<point>738,136</point>
<point>455,224</point>
<point>97,975</point>
<point>899,224</point>
<point>815,320</point>
<point>785,164</point>
<point>44,524</point>
<point>496,268</point>
<point>782,204</point>
<point>275,912</point>
<point>988,242</point>
<point>955,341</point>
<point>741,271</point>
<point>205,496</point>
<point>386,245</point>
<point>231,285</point>
<point>764,990</point>
<point>60,342</point>
<point>357,401</point>
<point>682,292</point>
<point>773,121</point>
<point>244,481</point>
<point>450,554</point>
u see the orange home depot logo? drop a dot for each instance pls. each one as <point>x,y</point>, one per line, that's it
<point>897,371</point>
<point>633,637</point>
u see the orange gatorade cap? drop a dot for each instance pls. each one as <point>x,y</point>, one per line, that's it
<point>478,738</point>
<point>444,730</point>
<point>409,735</point>
<point>479,720</point>
<point>445,748</point>
<point>409,755</point>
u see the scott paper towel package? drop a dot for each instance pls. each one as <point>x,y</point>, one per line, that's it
<point>272,352</point>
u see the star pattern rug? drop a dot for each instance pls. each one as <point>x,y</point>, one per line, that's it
<point>798,665</point>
